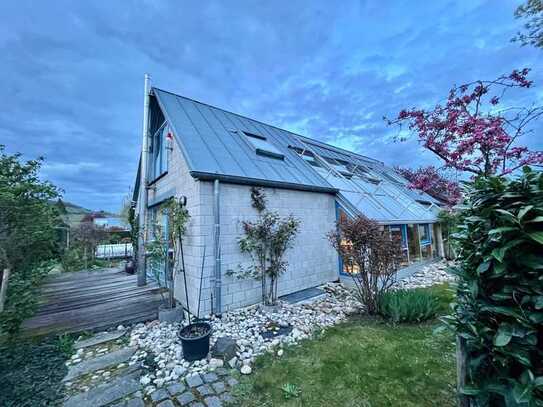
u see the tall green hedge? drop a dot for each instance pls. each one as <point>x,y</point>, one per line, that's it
<point>499,310</point>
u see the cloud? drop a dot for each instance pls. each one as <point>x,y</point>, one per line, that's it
<point>73,73</point>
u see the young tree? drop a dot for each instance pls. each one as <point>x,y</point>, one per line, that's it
<point>266,240</point>
<point>429,180</point>
<point>471,134</point>
<point>87,235</point>
<point>28,219</point>
<point>371,255</point>
<point>532,13</point>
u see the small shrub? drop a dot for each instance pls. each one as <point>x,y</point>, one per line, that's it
<point>409,306</point>
<point>65,345</point>
<point>371,257</point>
<point>72,260</point>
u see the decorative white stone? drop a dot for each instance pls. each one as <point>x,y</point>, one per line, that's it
<point>215,363</point>
<point>246,369</point>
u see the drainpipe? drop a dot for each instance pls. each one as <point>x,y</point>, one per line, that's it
<point>216,280</point>
<point>143,192</point>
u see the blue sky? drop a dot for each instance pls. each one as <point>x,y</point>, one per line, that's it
<point>72,73</point>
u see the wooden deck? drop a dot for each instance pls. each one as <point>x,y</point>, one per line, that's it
<point>90,301</point>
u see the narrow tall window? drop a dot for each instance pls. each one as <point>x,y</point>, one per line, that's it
<point>159,152</point>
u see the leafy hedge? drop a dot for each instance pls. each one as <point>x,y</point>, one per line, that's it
<point>22,298</point>
<point>408,305</point>
<point>499,310</point>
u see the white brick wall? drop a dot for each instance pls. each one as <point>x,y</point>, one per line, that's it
<point>311,261</point>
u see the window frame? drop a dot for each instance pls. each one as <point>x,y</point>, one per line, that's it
<point>247,135</point>
<point>161,153</point>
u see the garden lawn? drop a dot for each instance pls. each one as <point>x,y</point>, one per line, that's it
<point>359,363</point>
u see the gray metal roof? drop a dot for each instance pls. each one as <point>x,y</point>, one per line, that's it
<point>214,146</point>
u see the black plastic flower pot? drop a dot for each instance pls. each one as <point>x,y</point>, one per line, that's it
<point>195,340</point>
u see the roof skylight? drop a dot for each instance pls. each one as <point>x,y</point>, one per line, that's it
<point>263,146</point>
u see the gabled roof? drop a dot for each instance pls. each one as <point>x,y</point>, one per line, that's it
<point>215,146</point>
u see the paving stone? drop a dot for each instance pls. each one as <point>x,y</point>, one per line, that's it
<point>97,339</point>
<point>221,371</point>
<point>225,348</point>
<point>159,394</point>
<point>210,377</point>
<point>213,401</point>
<point>219,387</point>
<point>98,363</point>
<point>166,403</point>
<point>227,397</point>
<point>135,402</point>
<point>204,390</point>
<point>186,398</point>
<point>194,381</point>
<point>176,388</point>
<point>231,381</point>
<point>106,393</point>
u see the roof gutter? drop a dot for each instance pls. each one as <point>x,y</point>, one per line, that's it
<point>233,179</point>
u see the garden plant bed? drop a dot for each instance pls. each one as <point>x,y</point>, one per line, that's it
<point>365,362</point>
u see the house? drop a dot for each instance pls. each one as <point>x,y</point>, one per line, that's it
<point>214,157</point>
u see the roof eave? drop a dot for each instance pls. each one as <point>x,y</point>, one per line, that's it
<point>233,179</point>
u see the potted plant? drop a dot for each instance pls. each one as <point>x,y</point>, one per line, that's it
<point>165,255</point>
<point>195,340</point>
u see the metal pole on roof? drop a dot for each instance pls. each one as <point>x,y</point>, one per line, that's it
<point>143,192</point>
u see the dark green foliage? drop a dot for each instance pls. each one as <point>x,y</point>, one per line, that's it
<point>65,344</point>
<point>499,308</point>
<point>22,298</point>
<point>28,221</point>
<point>408,305</point>
<point>28,233</point>
<point>31,373</point>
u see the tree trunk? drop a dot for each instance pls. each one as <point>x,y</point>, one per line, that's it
<point>4,289</point>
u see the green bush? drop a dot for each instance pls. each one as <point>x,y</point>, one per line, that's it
<point>408,305</point>
<point>72,260</point>
<point>22,297</point>
<point>499,310</point>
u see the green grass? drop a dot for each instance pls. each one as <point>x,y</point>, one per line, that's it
<point>363,362</point>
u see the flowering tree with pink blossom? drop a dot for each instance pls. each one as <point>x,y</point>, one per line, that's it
<point>472,133</point>
<point>430,180</point>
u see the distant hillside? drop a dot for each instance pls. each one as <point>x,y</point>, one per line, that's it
<point>73,214</point>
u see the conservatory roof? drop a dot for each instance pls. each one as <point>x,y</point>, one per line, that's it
<point>218,144</point>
